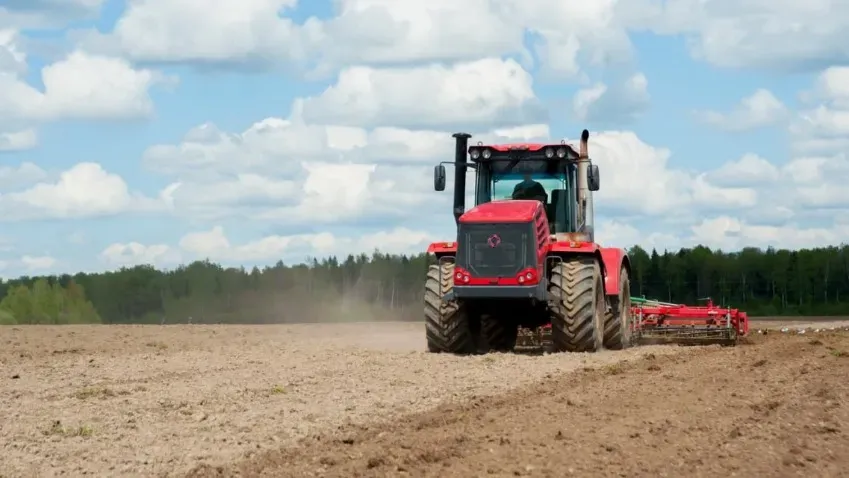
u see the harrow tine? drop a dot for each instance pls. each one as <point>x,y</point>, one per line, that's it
<point>688,336</point>
<point>536,340</point>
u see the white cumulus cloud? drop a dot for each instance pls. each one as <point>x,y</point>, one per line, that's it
<point>26,174</point>
<point>638,178</point>
<point>220,31</point>
<point>367,32</point>
<point>779,35</point>
<point>18,140</point>
<point>133,254</point>
<point>85,190</point>
<point>80,86</point>
<point>748,170</point>
<point>289,171</point>
<point>821,127</point>
<point>831,85</point>
<point>621,104</point>
<point>215,245</point>
<point>758,110</point>
<point>12,59</point>
<point>483,93</point>
<point>37,263</point>
<point>730,233</point>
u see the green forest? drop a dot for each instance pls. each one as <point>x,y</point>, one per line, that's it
<point>389,287</point>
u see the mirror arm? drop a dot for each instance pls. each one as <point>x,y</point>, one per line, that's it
<point>468,165</point>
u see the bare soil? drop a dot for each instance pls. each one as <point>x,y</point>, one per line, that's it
<point>159,400</point>
<point>806,318</point>
<point>776,406</point>
<point>796,322</point>
<point>365,400</point>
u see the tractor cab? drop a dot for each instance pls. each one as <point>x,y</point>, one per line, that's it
<point>505,170</point>
<point>552,183</point>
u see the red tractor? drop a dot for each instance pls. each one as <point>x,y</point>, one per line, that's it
<point>525,261</point>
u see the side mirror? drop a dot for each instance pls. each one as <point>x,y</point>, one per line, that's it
<point>593,180</point>
<point>439,177</point>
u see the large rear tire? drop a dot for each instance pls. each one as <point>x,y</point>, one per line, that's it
<point>500,333</point>
<point>446,322</point>
<point>577,320</point>
<point>617,321</point>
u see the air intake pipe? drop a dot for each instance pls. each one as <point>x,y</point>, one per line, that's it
<point>585,198</point>
<point>460,164</point>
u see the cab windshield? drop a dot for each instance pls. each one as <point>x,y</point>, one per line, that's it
<point>503,185</point>
<point>558,207</point>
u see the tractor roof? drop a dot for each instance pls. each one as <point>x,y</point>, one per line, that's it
<point>521,151</point>
<point>528,146</point>
<point>502,211</point>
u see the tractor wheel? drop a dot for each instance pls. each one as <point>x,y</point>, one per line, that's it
<point>577,314</point>
<point>617,322</point>
<point>499,333</point>
<point>446,322</point>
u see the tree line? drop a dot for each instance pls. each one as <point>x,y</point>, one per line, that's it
<point>389,287</point>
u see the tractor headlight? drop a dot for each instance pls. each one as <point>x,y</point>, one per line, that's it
<point>561,153</point>
<point>475,153</point>
<point>549,153</point>
<point>486,154</point>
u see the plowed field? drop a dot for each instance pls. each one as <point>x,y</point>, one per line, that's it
<point>365,400</point>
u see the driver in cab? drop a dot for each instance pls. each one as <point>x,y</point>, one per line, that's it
<point>529,189</point>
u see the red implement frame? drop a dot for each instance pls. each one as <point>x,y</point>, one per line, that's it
<point>654,322</point>
<point>660,322</point>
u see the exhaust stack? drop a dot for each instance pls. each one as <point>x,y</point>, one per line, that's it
<point>583,186</point>
<point>460,161</point>
<point>583,150</point>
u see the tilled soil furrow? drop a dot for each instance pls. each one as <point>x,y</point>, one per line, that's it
<point>777,407</point>
<point>176,396</point>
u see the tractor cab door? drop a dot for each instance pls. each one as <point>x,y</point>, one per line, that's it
<point>561,211</point>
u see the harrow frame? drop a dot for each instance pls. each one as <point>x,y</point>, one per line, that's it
<point>663,322</point>
<point>656,322</point>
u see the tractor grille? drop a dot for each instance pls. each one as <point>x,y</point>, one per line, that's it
<point>495,250</point>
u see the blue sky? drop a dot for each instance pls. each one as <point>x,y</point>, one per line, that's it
<point>154,131</point>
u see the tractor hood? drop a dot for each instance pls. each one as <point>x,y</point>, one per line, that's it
<point>508,210</point>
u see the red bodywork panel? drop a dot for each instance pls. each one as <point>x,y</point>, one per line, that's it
<point>612,260</point>
<point>510,210</point>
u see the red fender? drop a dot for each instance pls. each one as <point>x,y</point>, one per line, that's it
<point>442,248</point>
<point>614,260</point>
<point>589,248</point>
